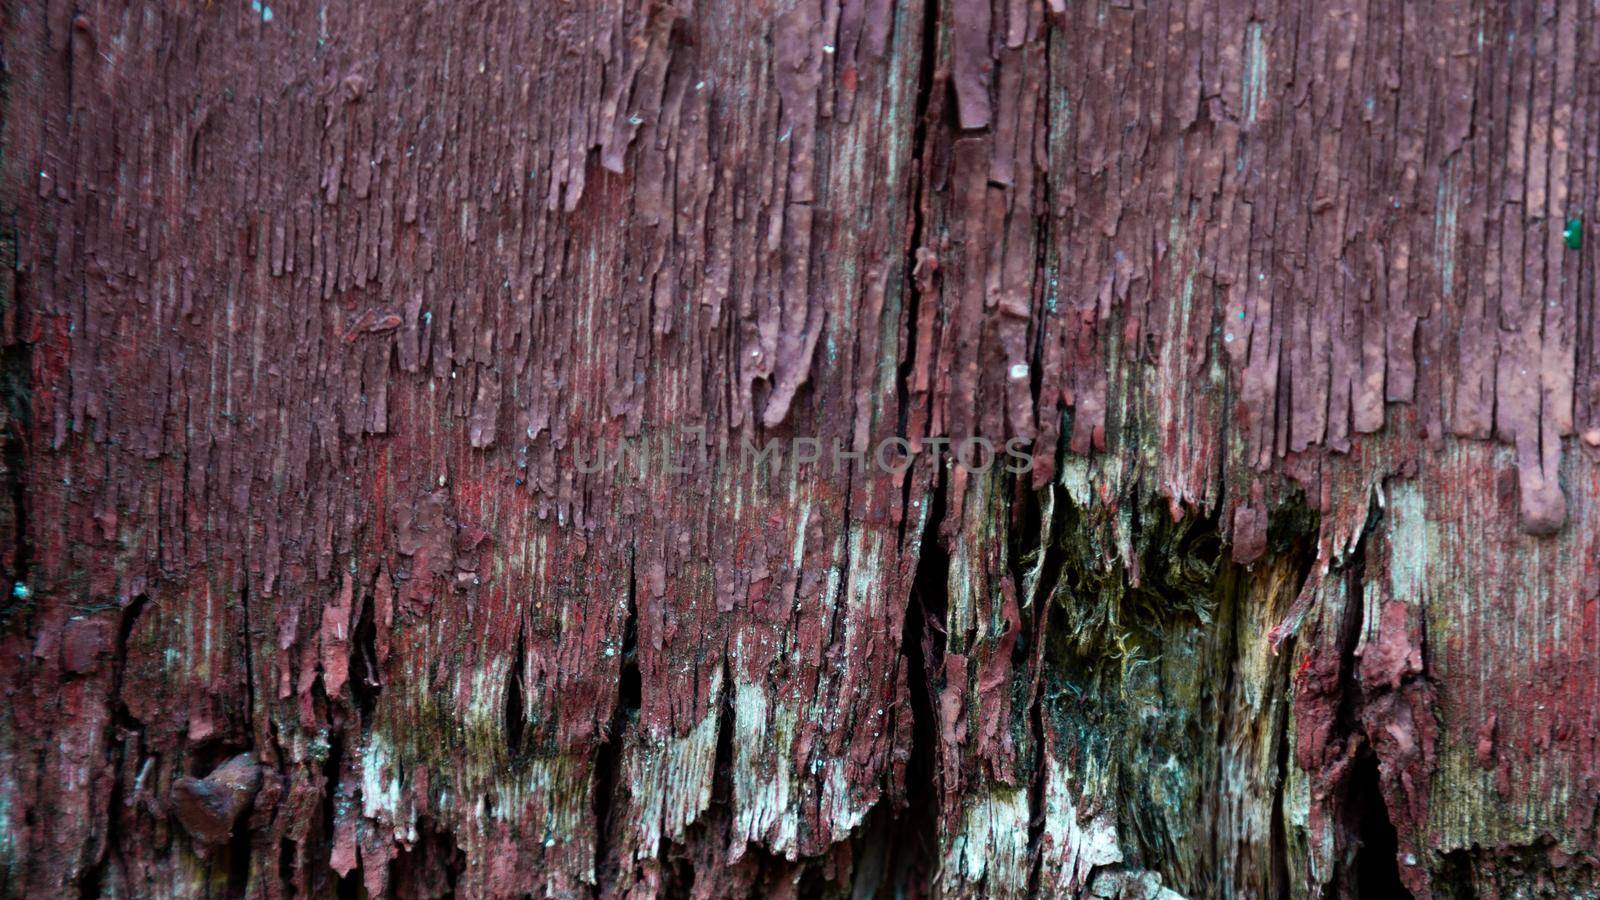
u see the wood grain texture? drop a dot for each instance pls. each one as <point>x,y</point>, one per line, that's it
<point>387,387</point>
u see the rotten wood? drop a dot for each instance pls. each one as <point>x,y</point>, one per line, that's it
<point>388,391</point>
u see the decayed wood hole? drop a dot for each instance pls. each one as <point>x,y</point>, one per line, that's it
<point>316,318</point>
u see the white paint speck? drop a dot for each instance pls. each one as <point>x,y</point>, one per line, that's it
<point>1019,371</point>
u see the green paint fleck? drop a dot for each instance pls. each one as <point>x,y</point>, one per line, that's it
<point>1573,234</point>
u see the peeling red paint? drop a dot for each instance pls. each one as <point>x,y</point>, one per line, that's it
<point>314,313</point>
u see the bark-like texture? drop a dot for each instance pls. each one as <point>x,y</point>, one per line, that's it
<point>316,318</point>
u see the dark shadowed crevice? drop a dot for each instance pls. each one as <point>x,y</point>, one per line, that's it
<point>1375,871</point>
<point>608,758</point>
<point>288,856</point>
<point>350,886</point>
<point>1036,784</point>
<point>1278,837</point>
<point>1038,520</point>
<point>1292,532</point>
<point>366,683</point>
<point>909,846</point>
<point>125,730</point>
<point>319,842</point>
<point>1364,830</point>
<point>130,617</point>
<point>872,854</point>
<point>247,649</point>
<point>515,724</point>
<point>1452,878</point>
<point>237,857</point>
<point>1509,870</point>
<point>899,846</point>
<point>916,841</point>
<point>677,869</point>
<point>913,845</point>
<point>16,388</point>
<point>16,372</point>
<point>90,886</point>
<point>918,197</point>
<point>430,866</point>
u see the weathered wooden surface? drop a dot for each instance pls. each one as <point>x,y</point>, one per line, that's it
<point>315,316</point>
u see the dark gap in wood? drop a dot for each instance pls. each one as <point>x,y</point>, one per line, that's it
<point>608,758</point>
<point>1293,532</point>
<point>921,642</point>
<point>16,391</point>
<point>430,866</point>
<point>1376,872</point>
<point>317,850</point>
<point>367,682</point>
<point>515,714</point>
